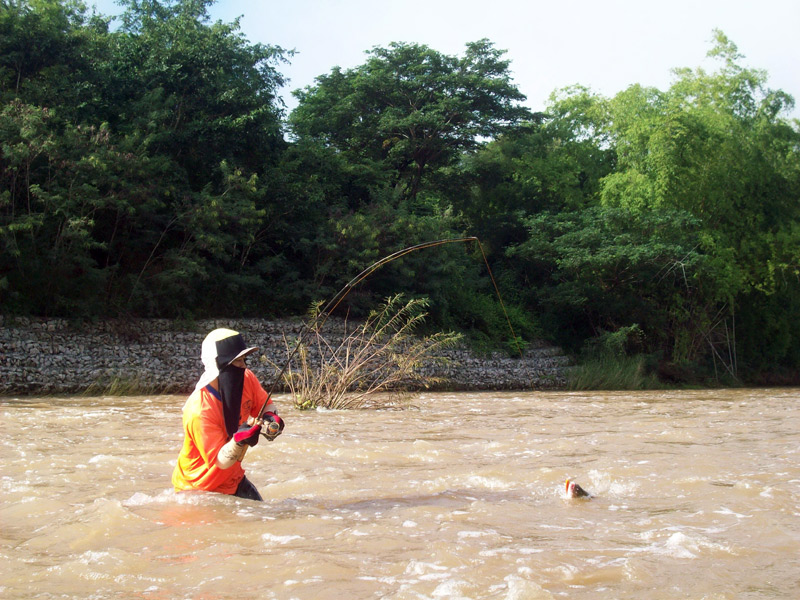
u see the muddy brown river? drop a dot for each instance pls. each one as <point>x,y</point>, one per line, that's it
<point>697,496</point>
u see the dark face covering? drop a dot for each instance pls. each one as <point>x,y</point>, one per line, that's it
<point>231,384</point>
<point>231,380</point>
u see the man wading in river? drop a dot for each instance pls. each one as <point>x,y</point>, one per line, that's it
<point>221,420</point>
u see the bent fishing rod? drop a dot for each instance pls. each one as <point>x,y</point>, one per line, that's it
<point>322,316</point>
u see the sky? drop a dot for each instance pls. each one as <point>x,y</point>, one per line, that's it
<point>605,45</point>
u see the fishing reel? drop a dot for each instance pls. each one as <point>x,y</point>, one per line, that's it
<point>273,426</point>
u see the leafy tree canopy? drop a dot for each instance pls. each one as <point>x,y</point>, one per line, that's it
<point>411,107</point>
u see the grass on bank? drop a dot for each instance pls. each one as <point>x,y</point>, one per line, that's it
<point>614,373</point>
<point>643,372</point>
<point>610,362</point>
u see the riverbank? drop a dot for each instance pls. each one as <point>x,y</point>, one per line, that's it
<point>57,356</point>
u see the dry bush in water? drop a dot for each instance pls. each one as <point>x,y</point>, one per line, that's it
<point>373,366</point>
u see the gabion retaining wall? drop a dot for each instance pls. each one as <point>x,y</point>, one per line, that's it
<point>54,356</point>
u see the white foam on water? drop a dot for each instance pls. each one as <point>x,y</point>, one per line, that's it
<point>566,572</point>
<point>279,539</point>
<point>602,483</point>
<point>99,458</point>
<point>524,589</point>
<point>450,589</point>
<point>530,550</point>
<point>359,533</point>
<point>727,511</point>
<point>684,546</point>
<point>142,499</point>
<point>475,534</point>
<point>416,567</point>
<point>424,456</point>
<point>92,556</point>
<point>491,483</point>
<point>680,545</point>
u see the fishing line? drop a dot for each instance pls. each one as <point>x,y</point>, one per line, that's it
<point>334,302</point>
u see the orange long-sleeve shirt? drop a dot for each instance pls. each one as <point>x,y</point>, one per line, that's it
<point>204,436</point>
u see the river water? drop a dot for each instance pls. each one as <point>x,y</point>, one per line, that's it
<point>697,495</point>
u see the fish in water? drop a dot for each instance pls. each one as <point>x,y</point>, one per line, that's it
<point>573,490</point>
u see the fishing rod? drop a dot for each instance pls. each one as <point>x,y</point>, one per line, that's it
<point>334,302</point>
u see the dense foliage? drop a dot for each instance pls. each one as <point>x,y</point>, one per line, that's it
<point>152,170</point>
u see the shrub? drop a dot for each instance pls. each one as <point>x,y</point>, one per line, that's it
<point>372,366</point>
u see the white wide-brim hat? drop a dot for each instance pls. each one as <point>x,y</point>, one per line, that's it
<point>220,348</point>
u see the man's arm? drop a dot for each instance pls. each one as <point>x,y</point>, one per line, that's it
<point>230,454</point>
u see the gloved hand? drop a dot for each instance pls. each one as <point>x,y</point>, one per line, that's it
<point>274,425</point>
<point>247,434</point>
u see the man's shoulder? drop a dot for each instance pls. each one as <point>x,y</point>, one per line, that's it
<point>201,402</point>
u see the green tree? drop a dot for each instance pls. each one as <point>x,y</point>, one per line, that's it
<point>49,56</point>
<point>410,109</point>
<point>716,146</point>
<point>199,91</point>
<point>601,269</point>
<point>125,184</point>
<point>554,162</point>
<point>674,212</point>
<point>48,88</point>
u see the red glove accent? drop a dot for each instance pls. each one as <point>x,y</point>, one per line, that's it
<point>247,434</point>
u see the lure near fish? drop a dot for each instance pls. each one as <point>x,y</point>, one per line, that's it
<point>573,490</point>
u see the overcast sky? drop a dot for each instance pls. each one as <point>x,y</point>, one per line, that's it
<point>605,45</point>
